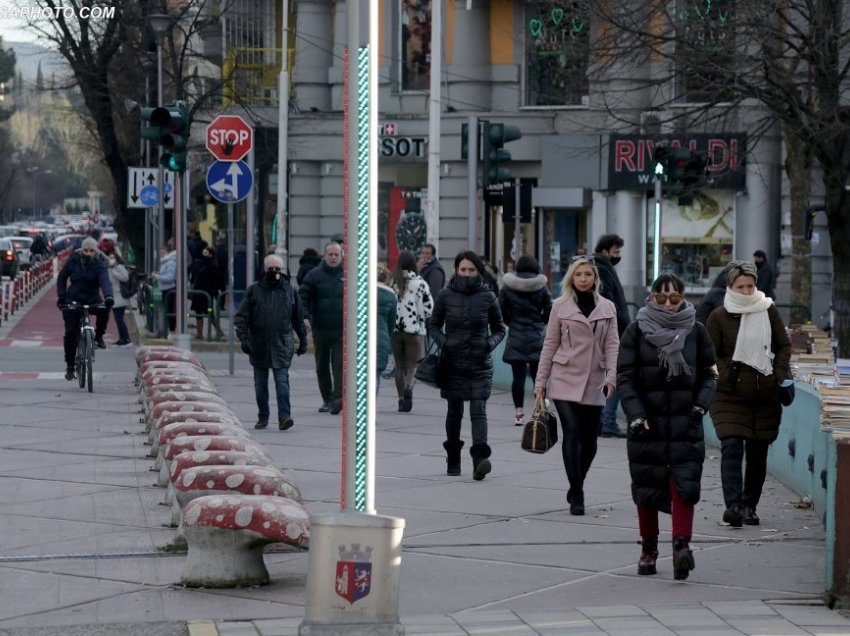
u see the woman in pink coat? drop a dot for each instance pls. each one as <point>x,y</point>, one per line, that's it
<point>579,363</point>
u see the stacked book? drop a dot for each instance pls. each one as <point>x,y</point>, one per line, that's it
<point>835,410</point>
<point>809,339</point>
<point>815,368</point>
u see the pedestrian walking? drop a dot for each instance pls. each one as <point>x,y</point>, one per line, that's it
<point>268,316</point>
<point>117,274</point>
<point>308,261</point>
<point>578,369</point>
<point>321,296</point>
<point>204,277</point>
<point>713,298</point>
<point>387,316</point>
<point>467,325</point>
<point>666,379</point>
<point>525,303</point>
<point>607,254</point>
<point>415,306</point>
<point>753,358</point>
<point>166,278</point>
<point>766,275</point>
<point>431,270</point>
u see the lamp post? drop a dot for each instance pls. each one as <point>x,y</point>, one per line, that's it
<point>282,247</point>
<point>159,24</point>
<point>33,171</point>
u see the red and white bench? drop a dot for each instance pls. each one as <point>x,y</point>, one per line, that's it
<point>226,535</point>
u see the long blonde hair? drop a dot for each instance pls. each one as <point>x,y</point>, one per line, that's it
<point>567,291</point>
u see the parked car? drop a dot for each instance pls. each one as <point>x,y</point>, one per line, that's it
<point>65,241</point>
<point>22,247</point>
<point>9,264</point>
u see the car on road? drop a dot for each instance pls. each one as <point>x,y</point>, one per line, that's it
<point>9,264</point>
<point>65,241</point>
<point>22,247</point>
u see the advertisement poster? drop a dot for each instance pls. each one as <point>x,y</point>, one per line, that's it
<point>415,45</point>
<point>406,222</point>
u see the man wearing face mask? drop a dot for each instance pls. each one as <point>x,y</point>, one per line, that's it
<point>267,317</point>
<point>88,274</point>
<point>606,255</point>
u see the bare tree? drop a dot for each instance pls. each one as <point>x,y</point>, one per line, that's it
<point>787,58</point>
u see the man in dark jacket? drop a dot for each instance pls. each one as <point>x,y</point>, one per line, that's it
<point>321,295</point>
<point>713,298</point>
<point>767,277</point>
<point>431,270</point>
<point>267,317</point>
<point>89,277</point>
<point>606,256</point>
<point>308,261</point>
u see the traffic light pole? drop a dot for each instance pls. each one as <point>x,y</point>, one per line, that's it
<point>656,243</point>
<point>472,183</point>
<point>160,176</point>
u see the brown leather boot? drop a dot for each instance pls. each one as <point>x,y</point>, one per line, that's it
<point>648,555</point>
<point>683,558</point>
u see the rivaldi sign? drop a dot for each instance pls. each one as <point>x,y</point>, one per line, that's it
<point>630,164</point>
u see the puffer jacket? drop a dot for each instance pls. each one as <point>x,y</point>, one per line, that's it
<point>387,308</point>
<point>747,406</point>
<point>88,281</point>
<point>267,317</point>
<point>612,289</point>
<point>525,303</point>
<point>414,306</point>
<point>305,265</point>
<point>321,296</point>
<point>473,328</point>
<point>674,446</point>
<point>713,298</point>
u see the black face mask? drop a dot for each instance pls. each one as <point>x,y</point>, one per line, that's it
<point>273,275</point>
<point>468,283</point>
<point>614,260</point>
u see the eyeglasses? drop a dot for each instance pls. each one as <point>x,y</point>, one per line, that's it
<point>661,298</point>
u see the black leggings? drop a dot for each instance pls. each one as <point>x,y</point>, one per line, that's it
<point>521,370</point>
<point>579,423</point>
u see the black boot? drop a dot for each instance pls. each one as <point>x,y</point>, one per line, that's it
<point>683,558</point>
<point>480,464</point>
<point>453,457</point>
<point>648,555</point>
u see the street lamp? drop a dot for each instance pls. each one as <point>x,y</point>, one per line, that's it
<point>33,171</point>
<point>159,24</point>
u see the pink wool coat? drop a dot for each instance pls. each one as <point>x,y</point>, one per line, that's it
<point>579,354</point>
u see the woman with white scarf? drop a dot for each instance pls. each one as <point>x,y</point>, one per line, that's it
<point>666,377</point>
<point>753,358</point>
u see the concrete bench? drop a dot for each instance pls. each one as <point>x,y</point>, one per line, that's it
<point>170,397</point>
<point>152,419</point>
<point>205,416</point>
<point>187,459</point>
<point>169,354</point>
<point>226,535</point>
<point>192,443</point>
<point>190,429</point>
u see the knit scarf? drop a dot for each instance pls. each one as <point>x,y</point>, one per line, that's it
<point>667,332</point>
<point>753,346</point>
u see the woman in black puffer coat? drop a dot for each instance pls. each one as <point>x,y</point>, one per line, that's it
<point>525,302</point>
<point>666,377</point>
<point>469,312</point>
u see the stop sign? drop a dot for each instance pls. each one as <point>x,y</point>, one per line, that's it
<point>229,138</point>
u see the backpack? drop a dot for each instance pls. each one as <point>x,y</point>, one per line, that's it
<point>130,287</point>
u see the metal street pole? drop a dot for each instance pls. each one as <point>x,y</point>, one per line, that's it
<point>231,332</point>
<point>432,204</point>
<point>472,183</point>
<point>656,246</point>
<point>250,223</point>
<point>159,23</point>
<point>34,170</point>
<point>282,247</point>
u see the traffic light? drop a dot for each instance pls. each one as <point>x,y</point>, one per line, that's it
<point>677,163</point>
<point>495,137</point>
<point>694,173</point>
<point>659,161</point>
<point>169,127</point>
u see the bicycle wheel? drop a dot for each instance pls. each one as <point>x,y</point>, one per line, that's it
<point>89,375</point>
<point>81,361</point>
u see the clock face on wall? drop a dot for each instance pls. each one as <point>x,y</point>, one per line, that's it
<point>411,231</point>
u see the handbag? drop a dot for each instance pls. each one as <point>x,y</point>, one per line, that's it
<point>541,431</point>
<point>429,367</point>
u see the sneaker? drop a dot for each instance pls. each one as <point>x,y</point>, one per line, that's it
<point>99,343</point>
<point>261,424</point>
<point>69,373</point>
<point>285,424</point>
<point>324,408</point>
<point>518,417</point>
<point>123,343</point>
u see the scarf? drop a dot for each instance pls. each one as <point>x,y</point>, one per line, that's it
<point>753,346</point>
<point>667,332</point>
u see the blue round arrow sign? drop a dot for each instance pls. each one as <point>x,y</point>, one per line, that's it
<point>229,181</point>
<point>149,196</point>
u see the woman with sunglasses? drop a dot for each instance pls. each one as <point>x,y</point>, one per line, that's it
<point>666,376</point>
<point>578,362</point>
<point>753,358</point>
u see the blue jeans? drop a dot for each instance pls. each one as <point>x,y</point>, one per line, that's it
<point>261,389</point>
<point>609,413</point>
<point>123,333</point>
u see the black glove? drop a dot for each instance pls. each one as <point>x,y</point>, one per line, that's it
<point>302,349</point>
<point>637,428</point>
<point>246,349</point>
<point>60,303</point>
<point>108,302</point>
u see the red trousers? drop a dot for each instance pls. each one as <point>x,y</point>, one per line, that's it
<point>683,518</point>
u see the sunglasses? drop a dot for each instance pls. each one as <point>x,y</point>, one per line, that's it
<point>581,258</point>
<point>661,298</point>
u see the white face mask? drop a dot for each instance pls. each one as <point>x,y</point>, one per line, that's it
<point>112,262</point>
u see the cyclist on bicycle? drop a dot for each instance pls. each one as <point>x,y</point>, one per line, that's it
<point>89,276</point>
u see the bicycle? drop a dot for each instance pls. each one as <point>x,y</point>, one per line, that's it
<point>84,361</point>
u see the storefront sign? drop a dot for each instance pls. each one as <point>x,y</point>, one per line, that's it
<point>630,164</point>
<point>412,147</point>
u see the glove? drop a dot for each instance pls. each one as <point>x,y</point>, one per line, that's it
<point>60,303</point>
<point>108,302</point>
<point>637,428</point>
<point>696,416</point>
<point>246,349</point>
<point>302,349</point>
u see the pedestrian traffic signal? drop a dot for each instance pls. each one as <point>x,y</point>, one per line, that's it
<point>495,156</point>
<point>677,162</point>
<point>169,127</point>
<point>659,161</point>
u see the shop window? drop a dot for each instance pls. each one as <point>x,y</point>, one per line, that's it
<point>706,50</point>
<point>415,42</point>
<point>557,48</point>
<point>697,238</point>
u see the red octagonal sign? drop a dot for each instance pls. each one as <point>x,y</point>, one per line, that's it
<point>229,138</point>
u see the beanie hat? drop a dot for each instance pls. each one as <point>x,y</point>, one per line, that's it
<point>89,244</point>
<point>740,268</point>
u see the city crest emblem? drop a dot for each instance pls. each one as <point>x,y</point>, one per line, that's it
<point>354,573</point>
